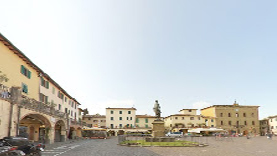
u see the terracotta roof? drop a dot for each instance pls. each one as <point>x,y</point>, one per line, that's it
<point>94,116</point>
<point>21,55</point>
<point>123,108</point>
<point>188,109</point>
<point>145,116</point>
<point>183,115</point>
<point>235,106</point>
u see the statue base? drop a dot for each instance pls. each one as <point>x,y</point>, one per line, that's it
<point>158,129</point>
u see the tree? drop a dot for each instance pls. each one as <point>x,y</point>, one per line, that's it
<point>3,77</point>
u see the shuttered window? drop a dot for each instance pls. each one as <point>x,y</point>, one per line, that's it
<point>24,88</point>
<point>25,71</point>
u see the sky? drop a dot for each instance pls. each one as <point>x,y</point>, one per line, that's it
<point>129,53</point>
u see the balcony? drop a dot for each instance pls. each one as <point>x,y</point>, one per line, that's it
<point>41,107</point>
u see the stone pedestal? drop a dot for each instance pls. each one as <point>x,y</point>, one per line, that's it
<point>158,128</point>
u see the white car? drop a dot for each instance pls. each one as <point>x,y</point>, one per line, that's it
<point>174,134</point>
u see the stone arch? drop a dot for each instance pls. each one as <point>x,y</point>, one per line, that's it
<point>60,131</point>
<point>33,126</point>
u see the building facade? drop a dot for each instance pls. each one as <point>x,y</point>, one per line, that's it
<point>96,120</point>
<point>120,117</point>
<point>187,119</point>
<point>272,124</point>
<point>145,121</point>
<point>235,118</point>
<point>32,104</point>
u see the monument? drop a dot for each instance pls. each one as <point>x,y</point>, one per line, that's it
<point>158,129</point>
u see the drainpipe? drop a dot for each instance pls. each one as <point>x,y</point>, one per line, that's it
<point>10,119</point>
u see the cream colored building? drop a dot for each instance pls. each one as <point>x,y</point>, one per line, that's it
<point>187,119</point>
<point>120,117</point>
<point>27,101</point>
<point>272,123</point>
<point>235,118</point>
<point>145,121</point>
<point>96,120</point>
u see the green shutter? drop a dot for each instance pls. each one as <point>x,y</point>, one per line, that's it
<point>29,74</point>
<point>47,84</point>
<point>22,69</point>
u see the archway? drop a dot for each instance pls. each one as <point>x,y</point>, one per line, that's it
<point>60,131</point>
<point>32,126</point>
<point>79,132</point>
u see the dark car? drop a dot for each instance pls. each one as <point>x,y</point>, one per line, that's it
<point>24,145</point>
<point>10,151</point>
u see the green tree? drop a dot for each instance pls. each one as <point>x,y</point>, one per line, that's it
<point>3,77</point>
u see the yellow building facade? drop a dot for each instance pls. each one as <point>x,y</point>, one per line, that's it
<point>29,106</point>
<point>235,118</point>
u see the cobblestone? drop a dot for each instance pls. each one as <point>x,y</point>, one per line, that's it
<point>240,146</point>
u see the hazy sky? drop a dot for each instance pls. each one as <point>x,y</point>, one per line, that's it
<point>124,53</point>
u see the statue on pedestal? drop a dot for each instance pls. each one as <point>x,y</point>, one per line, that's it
<point>157,110</point>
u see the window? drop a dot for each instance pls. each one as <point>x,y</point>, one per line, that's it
<point>127,118</point>
<point>129,112</point>
<point>237,115</point>
<point>24,88</point>
<point>120,125</point>
<point>245,122</point>
<point>43,98</point>
<point>95,121</point>
<point>252,114</point>
<point>183,118</point>
<point>111,112</point>
<point>191,118</point>
<point>120,118</point>
<point>120,112</point>
<point>230,123</point>
<point>212,120</point>
<point>198,118</point>
<point>176,118</point>
<point>253,122</point>
<point>131,118</point>
<point>237,123</point>
<point>89,118</point>
<point>212,125</point>
<point>111,118</point>
<point>25,72</point>
<point>221,114</point>
<point>244,114</point>
<point>65,110</point>
<point>170,125</point>
<point>221,122</point>
<point>53,90</point>
<point>60,106</point>
<point>137,120</point>
<point>60,95</point>
<point>229,114</point>
<point>44,83</point>
<point>190,110</point>
<point>65,99</point>
<point>111,125</point>
<point>146,120</point>
<point>146,125</point>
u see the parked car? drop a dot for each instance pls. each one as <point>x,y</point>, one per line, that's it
<point>174,134</point>
<point>23,144</point>
<point>10,151</point>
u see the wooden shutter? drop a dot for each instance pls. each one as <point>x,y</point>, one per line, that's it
<point>29,74</point>
<point>22,69</point>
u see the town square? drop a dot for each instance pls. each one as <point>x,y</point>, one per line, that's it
<point>137,77</point>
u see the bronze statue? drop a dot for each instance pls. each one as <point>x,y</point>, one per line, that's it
<point>157,109</point>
